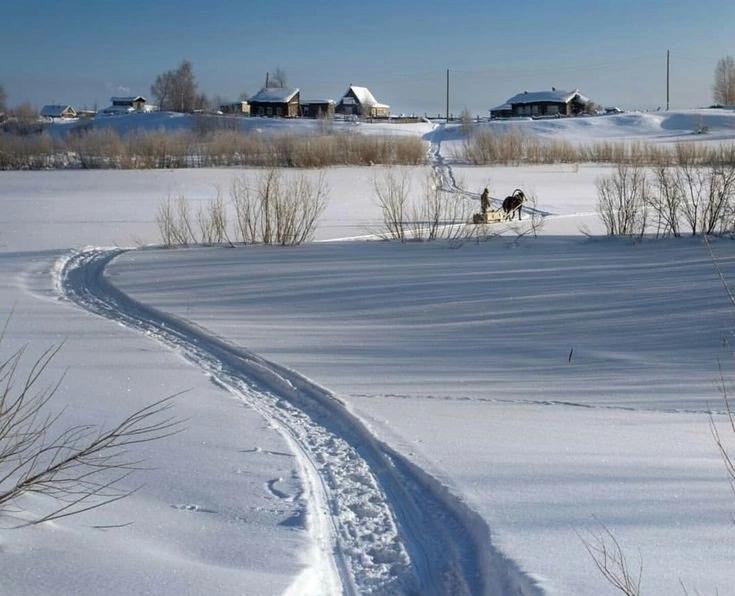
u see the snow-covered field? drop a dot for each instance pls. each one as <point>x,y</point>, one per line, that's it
<point>380,416</point>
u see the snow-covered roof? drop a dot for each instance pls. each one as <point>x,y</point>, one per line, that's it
<point>131,99</point>
<point>274,95</point>
<point>554,95</point>
<point>308,101</point>
<point>506,107</point>
<point>118,110</point>
<point>55,111</point>
<point>365,97</point>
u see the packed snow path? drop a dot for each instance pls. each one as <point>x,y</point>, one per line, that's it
<point>447,180</point>
<point>390,527</point>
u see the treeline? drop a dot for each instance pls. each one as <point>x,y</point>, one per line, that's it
<point>514,148</point>
<point>104,148</point>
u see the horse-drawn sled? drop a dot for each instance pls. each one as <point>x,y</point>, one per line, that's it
<point>506,212</point>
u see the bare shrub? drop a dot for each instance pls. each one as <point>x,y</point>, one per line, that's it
<point>29,152</point>
<point>212,219</point>
<point>392,191</point>
<point>79,468</point>
<point>707,192</point>
<point>437,213</point>
<point>622,203</point>
<point>279,210</point>
<point>99,149</point>
<point>174,222</point>
<point>309,199</point>
<point>612,563</point>
<point>247,212</point>
<point>665,201</point>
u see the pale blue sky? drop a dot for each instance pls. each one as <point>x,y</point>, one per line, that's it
<point>82,52</point>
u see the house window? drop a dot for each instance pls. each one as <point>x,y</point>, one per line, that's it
<point>553,110</point>
<point>269,111</point>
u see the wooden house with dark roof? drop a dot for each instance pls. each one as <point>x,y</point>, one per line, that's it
<point>275,101</point>
<point>543,103</point>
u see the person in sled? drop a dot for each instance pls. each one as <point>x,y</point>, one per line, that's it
<point>485,201</point>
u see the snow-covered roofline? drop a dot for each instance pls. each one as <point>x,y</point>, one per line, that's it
<point>130,99</point>
<point>365,97</point>
<point>274,94</point>
<point>55,110</point>
<point>554,95</point>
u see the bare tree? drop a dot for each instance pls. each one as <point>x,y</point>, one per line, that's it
<point>277,78</point>
<point>81,467</point>
<point>3,100</point>
<point>723,88</point>
<point>176,90</point>
<point>466,120</point>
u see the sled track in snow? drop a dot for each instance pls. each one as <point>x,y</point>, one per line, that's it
<point>445,173</point>
<point>391,528</point>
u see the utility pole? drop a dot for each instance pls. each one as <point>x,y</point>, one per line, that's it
<point>266,79</point>
<point>447,96</point>
<point>668,77</point>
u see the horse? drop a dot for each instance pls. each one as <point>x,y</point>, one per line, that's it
<point>514,203</point>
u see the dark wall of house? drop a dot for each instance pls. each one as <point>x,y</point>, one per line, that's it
<point>317,110</point>
<point>541,108</point>
<point>280,109</point>
<point>350,109</point>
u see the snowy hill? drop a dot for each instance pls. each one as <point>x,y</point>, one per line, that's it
<point>673,126</point>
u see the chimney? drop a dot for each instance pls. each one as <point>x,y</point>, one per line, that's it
<point>553,88</point>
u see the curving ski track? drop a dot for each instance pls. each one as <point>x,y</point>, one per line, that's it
<point>388,527</point>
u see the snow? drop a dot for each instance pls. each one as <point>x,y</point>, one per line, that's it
<point>55,111</point>
<point>128,122</point>
<point>364,97</point>
<point>460,358</point>
<point>274,94</point>
<point>554,95</point>
<point>350,405</point>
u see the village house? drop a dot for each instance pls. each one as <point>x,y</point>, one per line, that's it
<point>127,105</point>
<point>544,103</point>
<point>241,108</point>
<point>58,112</point>
<point>137,103</point>
<point>317,108</point>
<point>358,101</point>
<point>275,101</point>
